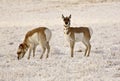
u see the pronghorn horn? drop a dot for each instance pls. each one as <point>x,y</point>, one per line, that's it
<point>70,16</point>
<point>63,16</point>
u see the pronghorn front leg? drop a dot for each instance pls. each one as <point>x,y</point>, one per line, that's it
<point>89,49</point>
<point>29,53</point>
<point>72,47</point>
<point>86,44</point>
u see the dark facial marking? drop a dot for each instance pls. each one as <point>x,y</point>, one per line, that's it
<point>66,20</point>
<point>18,53</point>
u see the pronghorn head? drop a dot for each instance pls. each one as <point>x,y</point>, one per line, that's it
<point>22,49</point>
<point>66,20</point>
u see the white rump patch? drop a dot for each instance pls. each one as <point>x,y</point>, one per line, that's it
<point>91,31</point>
<point>48,34</point>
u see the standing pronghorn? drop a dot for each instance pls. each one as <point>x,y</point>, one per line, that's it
<point>41,36</point>
<point>76,34</point>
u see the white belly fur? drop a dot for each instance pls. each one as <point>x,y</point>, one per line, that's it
<point>78,37</point>
<point>34,39</point>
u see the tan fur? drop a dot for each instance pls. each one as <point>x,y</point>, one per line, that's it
<point>71,32</point>
<point>83,30</point>
<point>32,39</point>
<point>39,30</point>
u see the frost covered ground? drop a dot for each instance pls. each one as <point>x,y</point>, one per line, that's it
<point>17,17</point>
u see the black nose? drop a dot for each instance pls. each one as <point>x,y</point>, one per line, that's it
<point>66,22</point>
<point>18,58</point>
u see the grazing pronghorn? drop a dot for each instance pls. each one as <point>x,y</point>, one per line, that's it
<point>41,35</point>
<point>76,34</point>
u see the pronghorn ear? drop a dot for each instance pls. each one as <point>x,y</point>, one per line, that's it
<point>70,16</point>
<point>23,45</point>
<point>26,45</point>
<point>63,16</point>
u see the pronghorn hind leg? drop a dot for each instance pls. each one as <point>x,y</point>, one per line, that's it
<point>43,51</point>
<point>72,47</point>
<point>43,46</point>
<point>48,49</point>
<point>89,49</point>
<point>34,51</point>
<point>86,51</point>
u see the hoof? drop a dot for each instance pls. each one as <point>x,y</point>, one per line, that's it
<point>46,57</point>
<point>79,51</point>
<point>87,55</point>
<point>72,56</point>
<point>28,58</point>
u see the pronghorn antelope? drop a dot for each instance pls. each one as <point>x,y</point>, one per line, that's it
<point>76,34</point>
<point>41,35</point>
